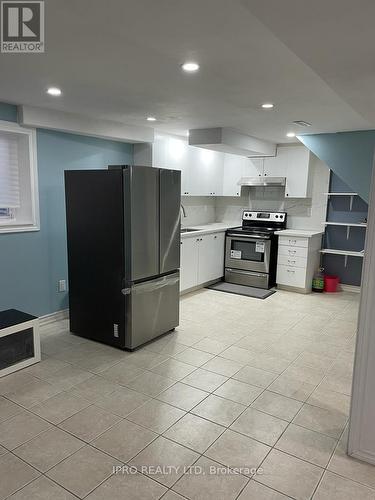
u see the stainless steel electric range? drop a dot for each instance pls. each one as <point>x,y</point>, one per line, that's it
<point>251,250</point>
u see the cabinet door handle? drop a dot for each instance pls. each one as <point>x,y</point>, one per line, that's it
<point>290,270</point>
<point>291,261</point>
<point>292,242</point>
<point>197,239</point>
<point>292,252</point>
<point>215,237</point>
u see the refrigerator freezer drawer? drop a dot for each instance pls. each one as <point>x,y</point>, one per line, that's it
<point>153,309</point>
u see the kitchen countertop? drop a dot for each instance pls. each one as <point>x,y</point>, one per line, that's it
<point>213,227</point>
<point>299,233</point>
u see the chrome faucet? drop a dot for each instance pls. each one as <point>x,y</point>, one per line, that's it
<point>183,210</point>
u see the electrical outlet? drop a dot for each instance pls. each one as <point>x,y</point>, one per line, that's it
<point>61,285</point>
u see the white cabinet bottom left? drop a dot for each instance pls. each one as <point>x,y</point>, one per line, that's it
<point>202,260</point>
<point>189,263</point>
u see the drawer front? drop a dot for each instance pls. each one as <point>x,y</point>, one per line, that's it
<point>286,260</point>
<point>291,276</point>
<point>160,298</point>
<point>293,251</point>
<point>293,242</point>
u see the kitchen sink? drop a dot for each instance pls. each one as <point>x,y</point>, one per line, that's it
<point>188,230</point>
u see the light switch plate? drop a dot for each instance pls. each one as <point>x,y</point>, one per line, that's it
<point>61,285</point>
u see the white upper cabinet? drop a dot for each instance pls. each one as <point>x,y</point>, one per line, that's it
<point>298,174</point>
<point>276,166</point>
<point>291,162</point>
<point>234,169</point>
<point>254,167</point>
<point>206,172</point>
<point>211,173</point>
<point>202,170</point>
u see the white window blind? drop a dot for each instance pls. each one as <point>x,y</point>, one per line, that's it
<point>9,174</point>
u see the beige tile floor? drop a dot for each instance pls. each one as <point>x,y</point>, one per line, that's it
<point>247,399</point>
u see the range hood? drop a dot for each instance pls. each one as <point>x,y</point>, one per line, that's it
<point>228,140</point>
<point>263,181</point>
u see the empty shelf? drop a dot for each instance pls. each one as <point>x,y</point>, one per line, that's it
<point>347,224</point>
<point>343,252</point>
<point>341,194</point>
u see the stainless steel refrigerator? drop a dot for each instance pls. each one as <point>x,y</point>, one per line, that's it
<point>123,237</point>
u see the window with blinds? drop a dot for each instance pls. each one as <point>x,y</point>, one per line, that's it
<point>19,202</point>
<point>9,174</point>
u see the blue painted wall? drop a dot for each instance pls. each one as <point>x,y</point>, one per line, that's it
<point>8,112</point>
<point>348,154</point>
<point>32,263</point>
<point>338,210</point>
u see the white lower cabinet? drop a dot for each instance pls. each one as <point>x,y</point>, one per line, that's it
<point>297,260</point>
<point>291,276</point>
<point>189,263</point>
<point>202,259</point>
<point>211,257</point>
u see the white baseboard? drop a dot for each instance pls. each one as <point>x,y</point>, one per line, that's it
<point>56,316</point>
<point>350,288</point>
<point>364,456</point>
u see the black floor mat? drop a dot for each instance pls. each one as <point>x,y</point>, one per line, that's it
<point>248,291</point>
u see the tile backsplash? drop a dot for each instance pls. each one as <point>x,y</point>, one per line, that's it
<point>303,213</point>
<point>198,209</point>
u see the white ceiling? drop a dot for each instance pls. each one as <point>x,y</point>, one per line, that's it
<point>119,60</point>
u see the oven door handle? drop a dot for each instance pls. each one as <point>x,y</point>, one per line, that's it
<point>250,273</point>
<point>248,236</point>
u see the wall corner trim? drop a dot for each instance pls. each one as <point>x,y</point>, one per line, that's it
<point>361,443</point>
<point>30,116</point>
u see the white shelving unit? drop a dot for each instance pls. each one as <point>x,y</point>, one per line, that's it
<point>344,194</point>
<point>348,225</point>
<point>345,253</point>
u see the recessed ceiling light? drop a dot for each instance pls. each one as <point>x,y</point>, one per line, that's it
<point>290,134</point>
<point>151,119</point>
<point>267,105</point>
<point>55,91</point>
<point>190,67</point>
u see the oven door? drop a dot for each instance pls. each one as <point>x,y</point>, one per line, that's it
<point>250,253</point>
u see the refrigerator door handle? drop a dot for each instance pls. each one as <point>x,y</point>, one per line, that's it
<point>153,285</point>
<point>125,290</point>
